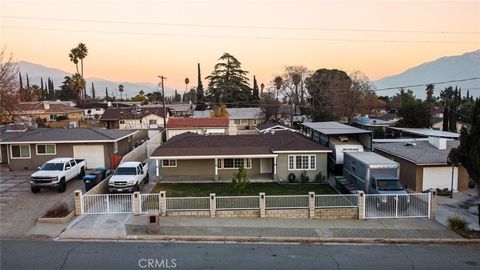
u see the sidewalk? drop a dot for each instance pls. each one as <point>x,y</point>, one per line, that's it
<point>124,226</point>
<point>463,204</point>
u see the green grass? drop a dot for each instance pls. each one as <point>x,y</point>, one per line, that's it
<point>225,189</point>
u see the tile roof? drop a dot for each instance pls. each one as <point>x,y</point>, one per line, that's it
<point>189,144</point>
<point>423,153</point>
<point>180,122</point>
<point>45,107</point>
<point>114,114</point>
<point>64,135</point>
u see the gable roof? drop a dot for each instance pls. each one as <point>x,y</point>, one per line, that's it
<point>194,145</point>
<point>334,128</point>
<point>60,135</point>
<point>179,122</point>
<point>45,107</point>
<point>114,114</point>
<point>422,153</point>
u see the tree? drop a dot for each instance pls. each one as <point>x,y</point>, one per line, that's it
<point>293,77</point>
<point>120,89</point>
<point>20,80</point>
<point>240,181</point>
<point>219,110</point>
<point>414,112</point>
<point>8,87</point>
<point>278,82</point>
<point>255,94</point>
<point>468,152</point>
<point>270,106</point>
<point>77,84</point>
<point>326,87</point>
<point>66,92</point>
<point>187,81</point>
<point>93,92</point>
<point>429,99</point>
<point>201,106</point>
<point>359,99</point>
<point>452,100</point>
<point>190,96</point>
<point>228,82</point>
<point>82,52</point>
<point>106,92</point>
<point>73,55</point>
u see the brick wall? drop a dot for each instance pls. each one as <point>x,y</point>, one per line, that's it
<point>238,213</point>
<point>336,213</point>
<point>287,213</point>
<point>188,213</point>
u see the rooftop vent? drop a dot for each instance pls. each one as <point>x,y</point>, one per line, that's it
<point>412,144</point>
<point>16,128</point>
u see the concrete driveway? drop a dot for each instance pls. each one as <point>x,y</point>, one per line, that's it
<point>463,204</point>
<point>20,208</point>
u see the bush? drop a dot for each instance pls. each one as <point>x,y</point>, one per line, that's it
<point>458,225</point>
<point>320,178</point>
<point>304,177</point>
<point>62,117</point>
<point>240,181</point>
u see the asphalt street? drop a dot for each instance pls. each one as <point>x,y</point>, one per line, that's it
<point>49,254</point>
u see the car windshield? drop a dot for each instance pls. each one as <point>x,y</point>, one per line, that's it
<point>52,167</point>
<point>125,171</point>
<point>390,185</point>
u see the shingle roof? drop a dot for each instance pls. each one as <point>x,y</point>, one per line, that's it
<point>45,107</point>
<point>64,135</point>
<point>334,128</point>
<point>423,153</point>
<point>236,113</point>
<point>114,114</point>
<point>189,144</point>
<point>178,122</point>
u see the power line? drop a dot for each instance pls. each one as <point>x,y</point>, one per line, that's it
<point>238,37</point>
<point>424,84</point>
<point>241,26</point>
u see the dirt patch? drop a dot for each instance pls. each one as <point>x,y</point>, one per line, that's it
<point>58,211</point>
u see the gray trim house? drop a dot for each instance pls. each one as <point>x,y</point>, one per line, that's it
<point>243,118</point>
<point>27,149</point>
<point>266,157</point>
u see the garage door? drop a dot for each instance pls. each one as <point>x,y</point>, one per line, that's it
<point>439,177</point>
<point>94,155</point>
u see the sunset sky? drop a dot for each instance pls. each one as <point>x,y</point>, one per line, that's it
<point>137,40</point>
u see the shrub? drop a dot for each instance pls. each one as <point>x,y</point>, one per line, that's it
<point>304,177</point>
<point>458,225</point>
<point>62,117</point>
<point>240,181</point>
<point>320,178</point>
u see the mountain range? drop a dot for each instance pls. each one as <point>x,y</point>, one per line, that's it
<point>443,69</point>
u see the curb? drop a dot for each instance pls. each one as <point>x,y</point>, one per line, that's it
<point>298,240</point>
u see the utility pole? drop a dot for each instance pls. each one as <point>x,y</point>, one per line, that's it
<point>163,99</point>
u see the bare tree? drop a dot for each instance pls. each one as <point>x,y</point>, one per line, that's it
<point>294,77</point>
<point>8,87</point>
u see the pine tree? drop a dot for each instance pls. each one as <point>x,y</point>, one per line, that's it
<point>106,92</point>
<point>255,94</point>
<point>201,106</point>
<point>28,83</point>
<point>93,91</point>
<point>20,81</point>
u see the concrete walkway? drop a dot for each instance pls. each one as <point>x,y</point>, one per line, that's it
<point>463,204</point>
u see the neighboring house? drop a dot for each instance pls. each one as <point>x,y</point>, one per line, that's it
<point>94,110</point>
<point>134,118</point>
<point>27,149</point>
<point>193,157</point>
<point>272,127</point>
<point>397,132</point>
<point>244,118</point>
<point>50,111</point>
<point>176,109</point>
<point>424,164</point>
<point>365,122</point>
<point>437,123</point>
<point>203,126</point>
<point>322,132</point>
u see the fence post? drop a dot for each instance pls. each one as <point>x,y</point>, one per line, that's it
<point>433,205</point>
<point>162,203</point>
<point>361,205</point>
<point>311,205</point>
<point>78,203</point>
<point>136,203</point>
<point>213,204</point>
<point>261,197</point>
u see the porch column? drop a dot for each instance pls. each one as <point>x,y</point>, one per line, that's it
<point>274,168</point>
<point>216,169</point>
<point>157,167</point>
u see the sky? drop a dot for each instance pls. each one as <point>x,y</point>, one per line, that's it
<point>136,41</point>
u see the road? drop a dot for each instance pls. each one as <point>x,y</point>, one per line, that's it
<point>49,254</point>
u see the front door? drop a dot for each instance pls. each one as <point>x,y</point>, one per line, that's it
<point>266,165</point>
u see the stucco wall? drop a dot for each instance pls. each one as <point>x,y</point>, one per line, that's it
<point>283,172</point>
<point>174,132</point>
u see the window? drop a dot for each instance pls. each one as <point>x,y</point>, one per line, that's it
<point>122,122</point>
<point>237,121</point>
<point>244,121</point>
<point>46,149</point>
<point>235,163</point>
<point>20,151</point>
<point>301,162</point>
<point>152,122</point>
<point>115,147</point>
<point>53,117</point>
<point>169,163</point>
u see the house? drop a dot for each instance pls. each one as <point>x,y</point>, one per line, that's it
<point>424,164</point>
<point>397,132</point>
<point>204,126</point>
<point>94,110</point>
<point>27,149</point>
<point>134,118</point>
<point>50,112</point>
<point>176,109</point>
<point>244,118</point>
<point>365,122</point>
<point>266,157</point>
<point>437,123</point>
<point>269,127</point>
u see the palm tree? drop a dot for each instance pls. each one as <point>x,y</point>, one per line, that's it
<point>77,84</point>
<point>82,52</point>
<point>120,89</point>
<point>141,93</point>
<point>296,79</point>
<point>187,81</point>
<point>278,81</point>
<point>74,57</point>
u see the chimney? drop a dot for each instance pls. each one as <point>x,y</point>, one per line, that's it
<point>439,143</point>
<point>46,106</point>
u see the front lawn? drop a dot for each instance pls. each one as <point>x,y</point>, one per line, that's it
<point>225,189</point>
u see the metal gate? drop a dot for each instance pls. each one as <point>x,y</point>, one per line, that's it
<point>107,203</point>
<point>413,205</point>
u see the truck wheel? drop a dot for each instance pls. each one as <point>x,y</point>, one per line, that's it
<point>63,186</point>
<point>82,173</point>
<point>147,178</point>
<point>35,189</point>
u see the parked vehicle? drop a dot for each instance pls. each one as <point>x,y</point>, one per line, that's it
<point>339,146</point>
<point>372,172</point>
<point>56,173</point>
<point>128,177</point>
<point>95,177</point>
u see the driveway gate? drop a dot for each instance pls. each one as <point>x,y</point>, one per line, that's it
<point>413,205</point>
<point>107,203</point>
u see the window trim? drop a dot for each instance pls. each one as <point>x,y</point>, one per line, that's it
<point>29,151</point>
<point>309,163</point>
<point>46,154</point>
<point>246,162</point>
<point>169,163</point>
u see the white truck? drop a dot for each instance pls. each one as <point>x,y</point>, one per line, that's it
<point>128,177</point>
<point>56,173</point>
<point>340,145</point>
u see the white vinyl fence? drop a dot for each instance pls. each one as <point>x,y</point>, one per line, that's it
<point>336,201</point>
<point>107,203</point>
<point>413,205</point>
<point>286,201</point>
<point>188,203</point>
<point>237,202</point>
